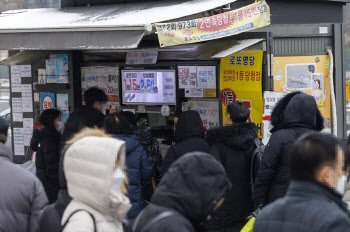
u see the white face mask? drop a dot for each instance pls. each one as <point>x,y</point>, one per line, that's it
<point>341,184</point>
<point>61,126</point>
<point>118,179</point>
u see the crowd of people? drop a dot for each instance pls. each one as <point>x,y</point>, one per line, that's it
<point>103,173</point>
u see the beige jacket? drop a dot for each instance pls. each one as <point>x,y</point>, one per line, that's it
<point>89,166</point>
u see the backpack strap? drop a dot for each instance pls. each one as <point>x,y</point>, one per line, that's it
<point>76,211</point>
<point>256,153</point>
<point>161,216</point>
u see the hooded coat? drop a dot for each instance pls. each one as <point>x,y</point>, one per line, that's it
<point>82,117</point>
<point>189,137</point>
<point>22,196</point>
<point>138,170</point>
<point>191,188</point>
<point>155,158</point>
<point>233,146</point>
<point>45,142</point>
<point>307,206</point>
<point>52,215</point>
<point>89,165</point>
<point>294,115</point>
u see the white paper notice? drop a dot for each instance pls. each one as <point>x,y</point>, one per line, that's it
<point>17,105</point>
<point>193,92</point>
<point>187,77</point>
<point>27,130</point>
<point>17,117</point>
<point>16,83</point>
<point>26,70</point>
<point>27,98</point>
<point>15,70</point>
<point>36,97</point>
<point>18,141</point>
<point>206,77</point>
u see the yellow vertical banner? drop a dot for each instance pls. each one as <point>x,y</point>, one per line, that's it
<point>240,80</point>
<point>308,74</point>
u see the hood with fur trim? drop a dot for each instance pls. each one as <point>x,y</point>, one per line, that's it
<point>296,110</point>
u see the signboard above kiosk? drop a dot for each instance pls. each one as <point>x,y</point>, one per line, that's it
<point>155,87</point>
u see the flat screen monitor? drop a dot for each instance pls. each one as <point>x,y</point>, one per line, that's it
<point>148,87</point>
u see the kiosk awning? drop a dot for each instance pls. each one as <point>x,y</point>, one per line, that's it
<point>217,49</point>
<point>119,26</point>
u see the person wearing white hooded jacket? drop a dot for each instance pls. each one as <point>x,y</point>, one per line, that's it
<point>93,166</point>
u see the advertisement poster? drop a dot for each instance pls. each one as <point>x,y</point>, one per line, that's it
<point>230,23</point>
<point>57,69</point>
<point>62,101</point>
<point>41,76</point>
<point>208,110</point>
<point>47,101</point>
<point>104,78</point>
<point>240,80</point>
<point>270,100</point>
<point>187,76</point>
<point>65,116</point>
<point>149,86</point>
<point>308,74</point>
<point>206,77</point>
<point>194,92</point>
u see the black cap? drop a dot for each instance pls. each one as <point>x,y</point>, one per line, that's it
<point>4,126</point>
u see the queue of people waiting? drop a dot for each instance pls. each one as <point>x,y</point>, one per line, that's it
<point>102,173</point>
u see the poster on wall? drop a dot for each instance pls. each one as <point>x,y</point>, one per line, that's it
<point>104,78</point>
<point>57,69</point>
<point>240,80</point>
<point>194,93</point>
<point>41,76</point>
<point>62,101</point>
<point>308,74</point>
<point>208,110</point>
<point>47,101</point>
<point>187,76</point>
<point>206,77</point>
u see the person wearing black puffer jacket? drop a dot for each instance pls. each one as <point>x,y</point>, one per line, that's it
<point>233,146</point>
<point>46,142</point>
<point>192,189</point>
<point>189,137</point>
<point>294,115</point>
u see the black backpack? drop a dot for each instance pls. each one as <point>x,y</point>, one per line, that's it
<point>131,227</point>
<point>76,211</point>
<point>255,162</point>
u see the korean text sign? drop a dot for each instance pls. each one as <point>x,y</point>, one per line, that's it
<point>240,80</point>
<point>247,18</point>
<point>104,78</point>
